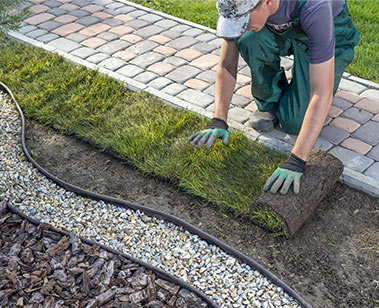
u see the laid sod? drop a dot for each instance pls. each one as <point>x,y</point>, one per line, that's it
<point>364,15</point>
<point>144,131</point>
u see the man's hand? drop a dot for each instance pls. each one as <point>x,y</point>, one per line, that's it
<point>289,172</point>
<point>217,129</point>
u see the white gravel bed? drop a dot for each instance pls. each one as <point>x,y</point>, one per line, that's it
<point>225,279</point>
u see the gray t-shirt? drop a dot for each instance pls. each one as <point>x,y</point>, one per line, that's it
<point>316,21</point>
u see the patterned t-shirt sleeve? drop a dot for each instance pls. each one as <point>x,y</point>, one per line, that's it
<point>317,22</point>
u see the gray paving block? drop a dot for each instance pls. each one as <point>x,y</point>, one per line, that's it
<point>77,37</point>
<point>25,5</point>
<point>80,13</point>
<point>114,46</point>
<point>183,73</point>
<point>373,171</point>
<point>81,3</point>
<point>334,134</point>
<point>240,101</point>
<point>204,48</point>
<point>351,86</point>
<point>175,61</point>
<point>83,52</point>
<point>113,22</point>
<point>174,89</point>
<point>64,44</point>
<point>36,33</point>
<point>103,2</point>
<point>166,23</point>
<point>135,14</point>
<point>196,97</point>
<point>374,153</point>
<point>341,103</point>
<point>206,37</point>
<point>97,58</point>
<point>180,28</point>
<point>328,120</point>
<point>182,42</point>
<point>358,115</point>
<point>108,36</point>
<point>210,90</point>
<point>147,59</point>
<point>286,63</point>
<point>151,18</point>
<point>47,37</point>
<point>371,94</point>
<point>52,3</point>
<point>142,47</point>
<point>239,115</point>
<point>350,159</point>
<point>245,71</point>
<point>159,83</point>
<point>137,24</point>
<point>171,34</point>
<point>112,64</point>
<point>130,70</point>
<point>148,31</point>
<point>57,11</point>
<point>145,77</point>
<point>208,76</point>
<point>368,132</point>
<point>322,144</point>
<point>88,20</point>
<point>128,10</point>
<point>50,25</point>
<point>193,32</point>
<point>26,29</point>
<point>114,5</point>
<point>216,42</point>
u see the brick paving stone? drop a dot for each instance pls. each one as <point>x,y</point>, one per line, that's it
<point>172,34</point>
<point>166,23</point>
<point>88,20</point>
<point>368,133</point>
<point>376,118</point>
<point>143,47</point>
<point>124,55</point>
<point>243,80</point>
<point>108,36</point>
<point>159,83</point>
<point>131,38</point>
<point>346,124</point>
<point>39,8</point>
<point>64,19</point>
<point>159,39</point>
<point>174,89</point>
<point>149,31</point>
<point>36,33</point>
<point>356,145</point>
<point>94,42</point>
<point>252,107</point>
<point>193,32</point>
<point>334,111</point>
<point>369,105</point>
<point>245,71</point>
<point>341,103</point>
<point>97,58</point>
<point>47,38</point>
<point>350,159</point>
<point>196,84</point>
<point>147,59</point>
<point>196,97</point>
<point>240,101</point>
<point>373,171</point>
<point>77,37</point>
<point>374,153</point>
<point>239,115</point>
<point>68,29</point>
<point>182,42</point>
<point>183,73</point>
<point>176,61</point>
<point>245,91</point>
<point>57,11</point>
<point>137,13</point>
<point>130,70</point>
<point>145,77</point>
<point>121,30</point>
<point>161,68</point>
<point>112,64</point>
<point>79,13</point>
<point>180,28</point>
<point>83,52</point>
<point>137,24</point>
<point>358,115</point>
<point>124,17</point>
<point>204,48</point>
<point>349,96</point>
<point>286,63</point>
<point>371,94</point>
<point>69,7</point>
<point>351,86</point>
<point>112,47</point>
<point>92,8</point>
<point>166,51</point>
<point>27,29</point>
<point>208,76</point>
<point>52,3</point>
<point>327,121</point>
<point>64,44</point>
<point>206,37</point>
<point>334,134</point>
<point>112,22</point>
<point>189,54</point>
<point>102,15</point>
<point>288,75</point>
<point>205,62</point>
<point>39,19</point>
<point>95,29</point>
<point>151,18</point>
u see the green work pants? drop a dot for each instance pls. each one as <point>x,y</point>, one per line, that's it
<point>262,51</point>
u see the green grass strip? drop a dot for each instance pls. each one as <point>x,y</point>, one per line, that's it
<point>144,131</point>
<point>364,15</point>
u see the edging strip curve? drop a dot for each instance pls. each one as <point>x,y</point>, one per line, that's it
<point>154,213</point>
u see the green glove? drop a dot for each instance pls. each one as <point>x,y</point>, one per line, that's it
<point>217,129</point>
<point>288,173</point>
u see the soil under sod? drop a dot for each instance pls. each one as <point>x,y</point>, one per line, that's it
<point>332,262</point>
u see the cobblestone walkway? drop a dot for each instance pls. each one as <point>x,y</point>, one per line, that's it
<point>176,61</point>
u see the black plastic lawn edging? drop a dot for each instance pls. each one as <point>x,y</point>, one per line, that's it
<point>155,213</point>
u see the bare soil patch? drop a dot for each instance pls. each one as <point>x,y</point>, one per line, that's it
<point>332,262</point>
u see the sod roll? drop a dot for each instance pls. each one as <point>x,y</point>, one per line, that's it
<point>321,173</point>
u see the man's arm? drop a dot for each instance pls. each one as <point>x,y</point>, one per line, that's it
<point>322,82</point>
<point>225,79</point>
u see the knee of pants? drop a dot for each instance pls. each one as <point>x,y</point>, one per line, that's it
<point>291,125</point>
